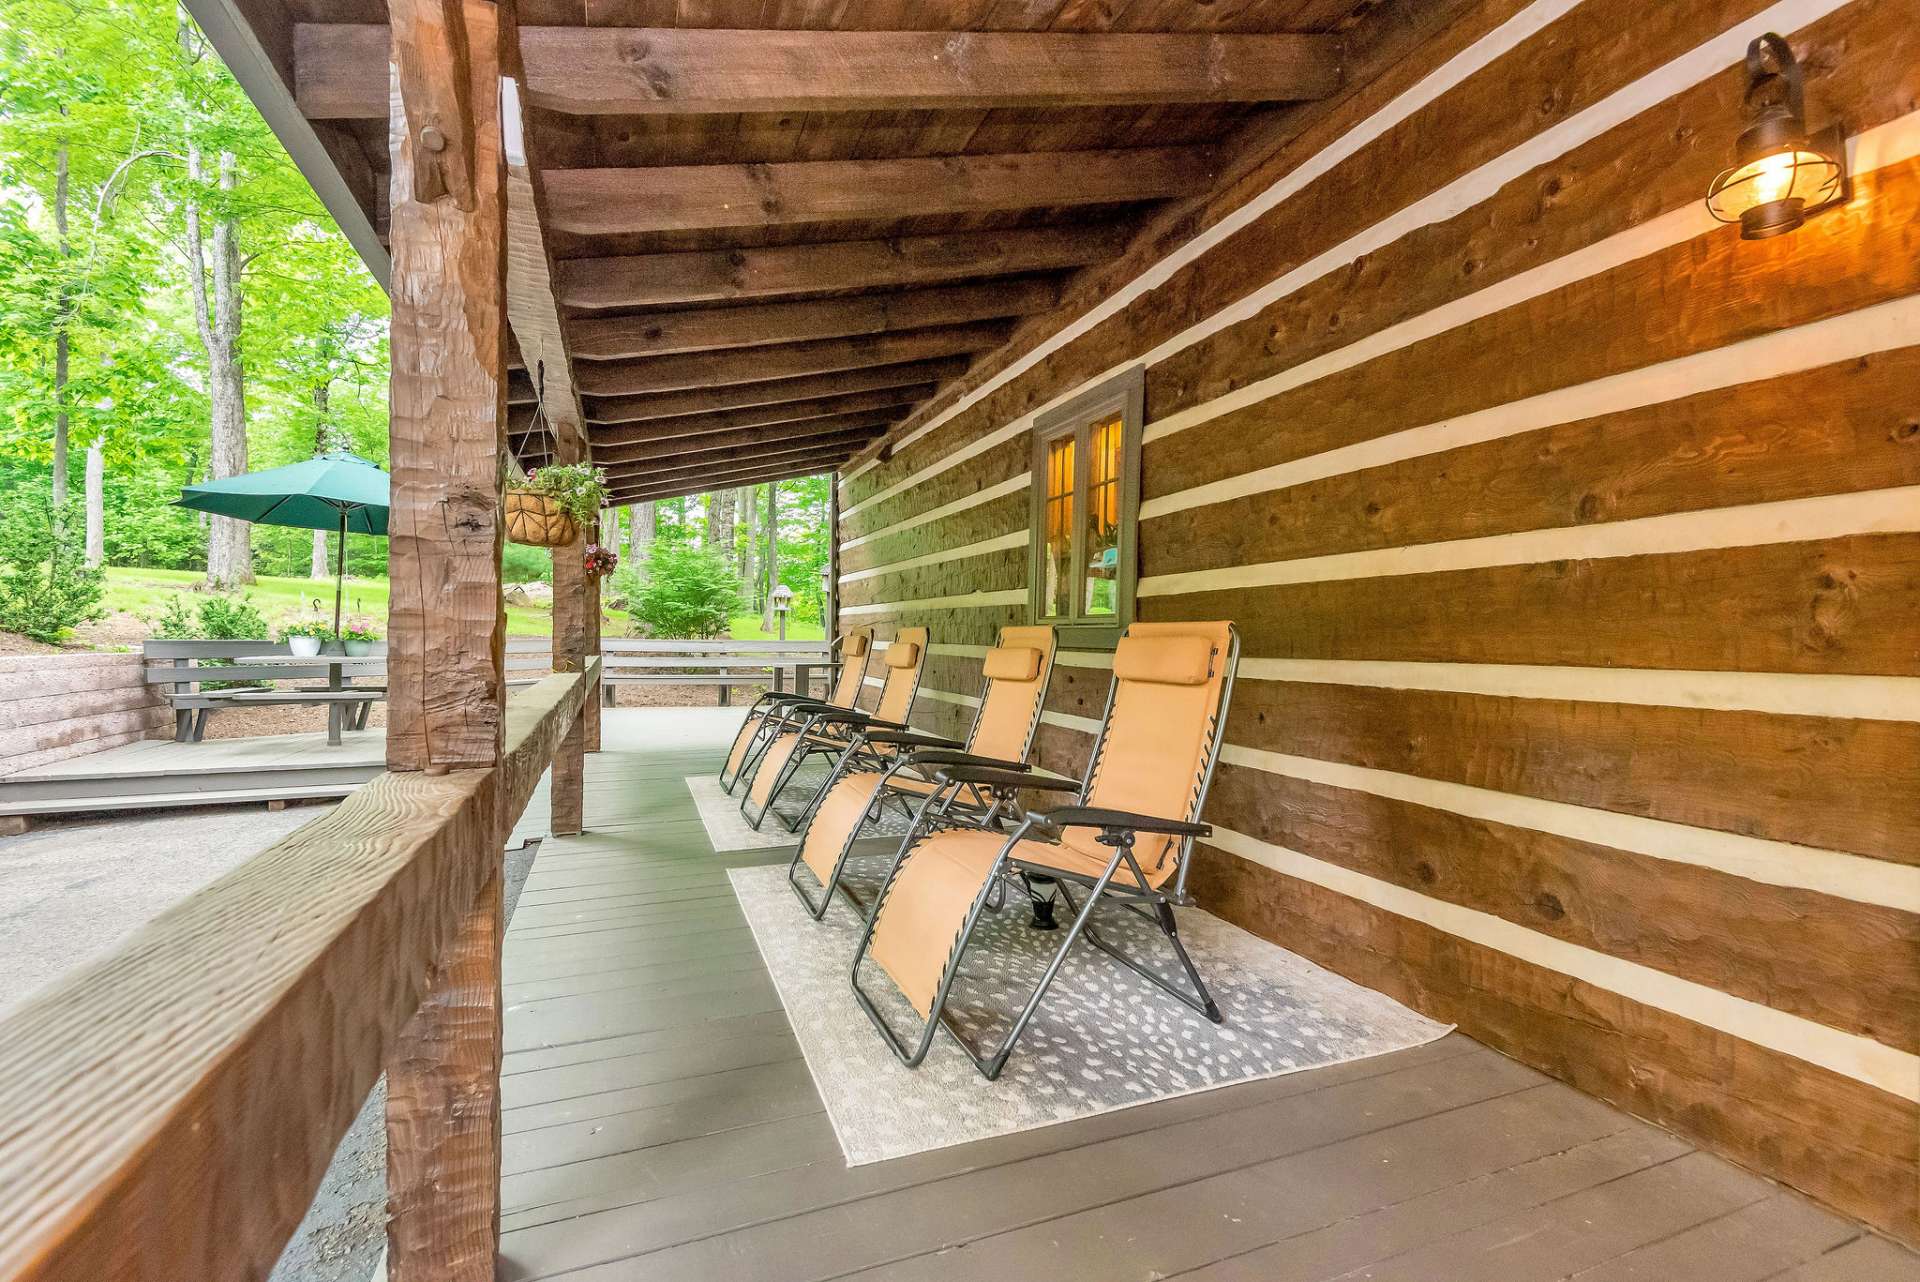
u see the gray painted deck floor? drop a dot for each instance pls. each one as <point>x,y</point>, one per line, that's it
<point>660,1125</point>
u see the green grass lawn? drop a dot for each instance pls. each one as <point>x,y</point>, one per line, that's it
<point>145,592</point>
<point>746,627</point>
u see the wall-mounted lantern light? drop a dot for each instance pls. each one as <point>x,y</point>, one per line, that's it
<point>1781,174</point>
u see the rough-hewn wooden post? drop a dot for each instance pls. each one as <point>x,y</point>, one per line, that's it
<point>590,717</point>
<point>447,622</point>
<point>570,648</point>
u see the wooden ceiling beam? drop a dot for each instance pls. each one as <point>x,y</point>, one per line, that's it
<point>699,276</point>
<point>786,360</point>
<point>823,431</point>
<point>339,69</point>
<point>773,391</point>
<point>607,202</point>
<point>720,476</point>
<point>709,328</point>
<point>761,416</point>
<point>649,494</point>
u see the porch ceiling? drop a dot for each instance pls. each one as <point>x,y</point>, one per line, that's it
<point>774,229</point>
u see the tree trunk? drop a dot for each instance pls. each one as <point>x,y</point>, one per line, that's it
<point>642,527</point>
<point>229,542</point>
<point>773,553</point>
<point>323,441</point>
<point>96,503</point>
<point>61,177</point>
<point>748,547</point>
<point>720,523</point>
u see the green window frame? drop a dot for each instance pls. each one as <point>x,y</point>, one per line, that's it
<point>1084,533</point>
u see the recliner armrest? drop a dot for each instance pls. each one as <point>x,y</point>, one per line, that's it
<point>1011,780</point>
<point>1121,821</point>
<point>912,739</point>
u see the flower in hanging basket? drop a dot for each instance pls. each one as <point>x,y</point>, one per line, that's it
<point>600,561</point>
<point>550,508</point>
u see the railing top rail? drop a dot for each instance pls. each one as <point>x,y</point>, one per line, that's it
<point>167,1111</point>
<point>644,645</point>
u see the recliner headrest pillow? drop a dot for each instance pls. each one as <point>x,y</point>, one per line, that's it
<point>1164,660</point>
<point>902,654</point>
<point>856,644</point>
<point>1012,663</point>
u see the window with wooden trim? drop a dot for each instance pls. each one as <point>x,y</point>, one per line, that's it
<point>1086,508</point>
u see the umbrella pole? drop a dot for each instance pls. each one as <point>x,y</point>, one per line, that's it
<point>340,574</point>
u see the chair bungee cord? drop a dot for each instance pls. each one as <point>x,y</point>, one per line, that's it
<point>1127,835</point>
<point>882,767</point>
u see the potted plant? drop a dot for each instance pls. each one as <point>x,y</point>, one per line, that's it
<point>358,641</point>
<point>305,639</point>
<point>600,560</point>
<point>549,508</point>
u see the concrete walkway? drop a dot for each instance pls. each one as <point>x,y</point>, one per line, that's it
<point>72,891</point>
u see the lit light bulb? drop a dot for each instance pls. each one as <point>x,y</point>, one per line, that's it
<point>1772,177</point>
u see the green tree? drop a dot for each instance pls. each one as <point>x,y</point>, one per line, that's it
<point>154,234</point>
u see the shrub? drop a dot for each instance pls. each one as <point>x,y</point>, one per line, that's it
<point>688,592</point>
<point>46,589</point>
<point>217,618</point>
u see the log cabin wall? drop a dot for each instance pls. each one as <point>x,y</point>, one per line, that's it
<point>1575,543</point>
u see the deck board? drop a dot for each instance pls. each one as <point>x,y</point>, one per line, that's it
<point>661,1123</point>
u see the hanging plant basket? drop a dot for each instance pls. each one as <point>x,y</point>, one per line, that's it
<point>600,561</point>
<point>537,520</point>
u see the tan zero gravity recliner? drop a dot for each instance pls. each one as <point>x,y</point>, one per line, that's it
<point>896,766</point>
<point>770,710</point>
<point>1127,835</point>
<point>806,733</point>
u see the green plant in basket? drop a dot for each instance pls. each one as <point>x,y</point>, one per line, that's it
<point>579,489</point>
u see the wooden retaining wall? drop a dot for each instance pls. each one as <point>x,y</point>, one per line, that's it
<point>55,706</point>
<point>1576,547</point>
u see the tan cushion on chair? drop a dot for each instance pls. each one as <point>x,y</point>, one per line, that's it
<point>902,654</point>
<point>1012,663</point>
<point>855,644</point>
<point>1164,660</point>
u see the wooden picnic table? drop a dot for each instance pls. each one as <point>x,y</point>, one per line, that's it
<point>339,680</point>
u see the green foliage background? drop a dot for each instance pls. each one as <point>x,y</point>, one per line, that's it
<point>123,89</point>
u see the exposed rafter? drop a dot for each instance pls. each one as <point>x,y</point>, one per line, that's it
<point>896,400</point>
<point>592,202</point>
<point>623,496</point>
<point>649,70</point>
<point>752,364</point>
<point>718,474</point>
<point>806,431</point>
<point>698,276</point>
<point>774,391</point>
<point>707,328</point>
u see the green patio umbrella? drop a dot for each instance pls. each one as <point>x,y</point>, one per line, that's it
<point>330,491</point>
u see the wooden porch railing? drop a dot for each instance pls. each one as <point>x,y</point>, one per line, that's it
<point>167,1112</point>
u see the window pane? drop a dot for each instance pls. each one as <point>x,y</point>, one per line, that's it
<point>1103,517</point>
<point>1058,586</point>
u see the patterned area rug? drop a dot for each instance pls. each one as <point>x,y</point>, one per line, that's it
<point>1104,1039</point>
<point>727,829</point>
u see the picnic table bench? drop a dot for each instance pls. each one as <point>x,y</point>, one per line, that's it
<point>355,684</point>
<point>720,663</point>
<point>186,668</point>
